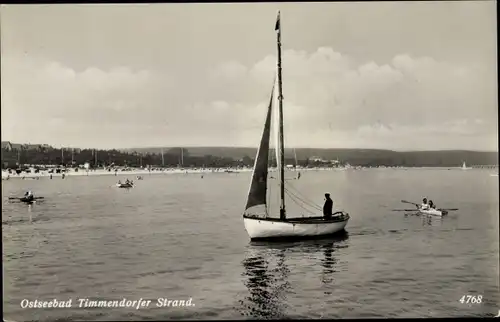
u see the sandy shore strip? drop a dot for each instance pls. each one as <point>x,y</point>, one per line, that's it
<point>132,173</point>
<point>137,172</point>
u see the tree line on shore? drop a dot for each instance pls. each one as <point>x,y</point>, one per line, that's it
<point>233,157</point>
<point>105,158</point>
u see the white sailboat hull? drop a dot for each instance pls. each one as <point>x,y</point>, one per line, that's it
<point>260,228</point>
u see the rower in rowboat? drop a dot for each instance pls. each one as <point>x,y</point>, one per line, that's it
<point>424,205</point>
<point>28,196</point>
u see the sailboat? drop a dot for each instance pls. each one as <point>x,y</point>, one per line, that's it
<point>464,166</point>
<point>258,222</point>
<point>296,165</point>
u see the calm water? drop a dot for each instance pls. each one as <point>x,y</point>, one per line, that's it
<point>181,237</point>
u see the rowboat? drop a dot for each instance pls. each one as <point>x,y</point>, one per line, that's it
<point>258,219</point>
<point>430,211</point>
<point>124,185</point>
<point>26,200</point>
<point>433,212</point>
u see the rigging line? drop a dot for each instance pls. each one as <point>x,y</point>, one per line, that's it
<point>310,212</point>
<point>294,199</point>
<point>304,205</point>
<point>297,197</point>
<point>302,201</point>
<point>305,201</point>
<point>300,194</point>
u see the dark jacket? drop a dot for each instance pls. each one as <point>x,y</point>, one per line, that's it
<point>328,207</point>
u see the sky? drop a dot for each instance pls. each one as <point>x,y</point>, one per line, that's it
<point>388,75</point>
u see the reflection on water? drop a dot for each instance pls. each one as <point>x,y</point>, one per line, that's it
<point>432,221</point>
<point>267,286</point>
<point>267,272</point>
<point>328,263</point>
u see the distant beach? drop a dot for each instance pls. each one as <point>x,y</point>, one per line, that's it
<point>141,172</point>
<point>102,172</point>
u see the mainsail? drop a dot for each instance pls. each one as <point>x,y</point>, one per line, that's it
<point>258,188</point>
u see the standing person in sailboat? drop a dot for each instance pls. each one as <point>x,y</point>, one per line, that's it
<point>328,207</point>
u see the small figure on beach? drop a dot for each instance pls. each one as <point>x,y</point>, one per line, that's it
<point>51,175</point>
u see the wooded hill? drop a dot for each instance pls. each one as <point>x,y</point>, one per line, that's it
<point>234,156</point>
<point>362,157</point>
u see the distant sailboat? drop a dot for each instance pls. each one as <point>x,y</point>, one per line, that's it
<point>259,224</point>
<point>296,164</point>
<point>464,166</point>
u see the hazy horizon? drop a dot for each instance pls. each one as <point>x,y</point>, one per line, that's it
<point>401,76</point>
<point>246,147</point>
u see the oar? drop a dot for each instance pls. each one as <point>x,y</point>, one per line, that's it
<point>23,197</point>
<point>442,209</point>
<point>412,203</point>
<point>19,198</point>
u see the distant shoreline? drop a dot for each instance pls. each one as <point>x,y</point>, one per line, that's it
<point>141,172</point>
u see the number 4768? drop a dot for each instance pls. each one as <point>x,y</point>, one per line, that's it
<point>466,299</point>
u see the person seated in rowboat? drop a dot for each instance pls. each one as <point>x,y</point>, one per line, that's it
<point>432,205</point>
<point>28,196</point>
<point>424,205</point>
<point>328,207</point>
<point>119,182</point>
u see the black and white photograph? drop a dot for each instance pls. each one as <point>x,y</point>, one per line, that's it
<point>259,160</point>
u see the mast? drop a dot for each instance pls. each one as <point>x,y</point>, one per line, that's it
<point>182,157</point>
<point>72,155</point>
<point>162,158</point>
<point>281,140</point>
<point>295,155</point>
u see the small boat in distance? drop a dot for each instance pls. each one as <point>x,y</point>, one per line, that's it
<point>258,222</point>
<point>27,200</point>
<point>464,166</point>
<point>126,184</point>
<point>429,211</point>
